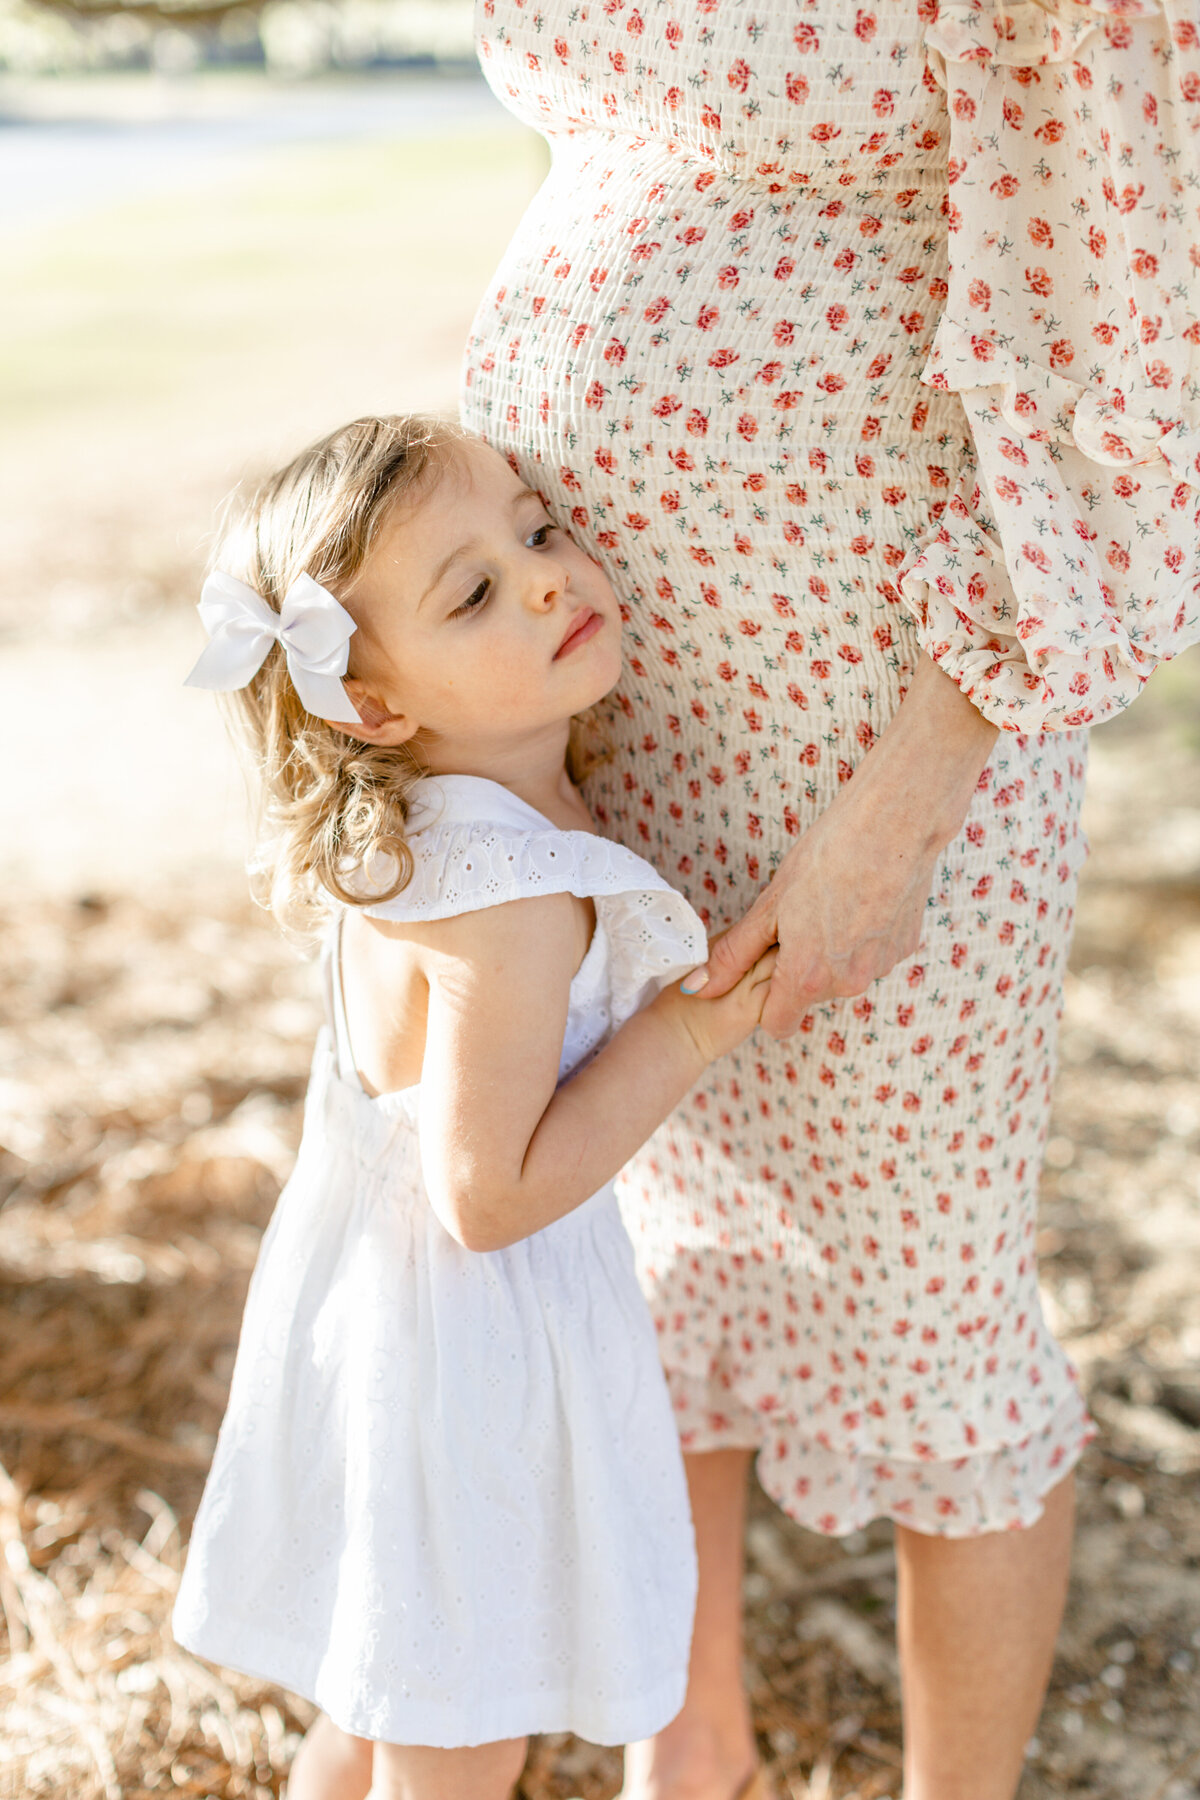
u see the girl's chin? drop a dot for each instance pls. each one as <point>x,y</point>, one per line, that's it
<point>598,691</point>
<point>604,667</point>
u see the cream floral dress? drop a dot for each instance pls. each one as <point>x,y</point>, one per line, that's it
<point>840,333</point>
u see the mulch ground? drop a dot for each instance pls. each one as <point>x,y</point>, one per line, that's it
<point>152,1063</point>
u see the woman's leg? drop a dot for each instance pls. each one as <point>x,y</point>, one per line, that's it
<point>978,1618</point>
<point>977,1625</point>
<point>330,1765</point>
<point>708,1752</point>
<point>414,1772</point>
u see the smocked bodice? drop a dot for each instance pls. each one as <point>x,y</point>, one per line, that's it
<point>783,97</point>
<point>834,227</point>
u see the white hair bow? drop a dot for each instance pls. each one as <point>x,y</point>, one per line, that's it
<point>313,627</point>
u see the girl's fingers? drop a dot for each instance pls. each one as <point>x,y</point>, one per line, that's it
<point>764,968</point>
<point>732,955</point>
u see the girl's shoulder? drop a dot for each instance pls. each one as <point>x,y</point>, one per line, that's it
<point>476,845</point>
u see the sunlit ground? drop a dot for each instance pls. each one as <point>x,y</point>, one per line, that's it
<point>154,1032</point>
<point>152,353</point>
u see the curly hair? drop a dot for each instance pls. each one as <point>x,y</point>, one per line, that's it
<point>331,809</point>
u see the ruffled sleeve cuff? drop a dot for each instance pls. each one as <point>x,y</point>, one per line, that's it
<point>475,845</point>
<point>1067,562</point>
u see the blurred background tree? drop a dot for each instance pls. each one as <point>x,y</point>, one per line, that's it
<point>286,37</point>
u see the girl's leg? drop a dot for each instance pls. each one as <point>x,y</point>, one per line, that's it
<point>978,1619</point>
<point>708,1752</point>
<point>414,1772</point>
<point>330,1765</point>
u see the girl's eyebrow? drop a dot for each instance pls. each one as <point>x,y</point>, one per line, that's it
<point>525,493</point>
<point>451,557</point>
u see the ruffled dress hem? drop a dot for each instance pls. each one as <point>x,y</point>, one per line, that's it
<point>272,1659</point>
<point>833,1491</point>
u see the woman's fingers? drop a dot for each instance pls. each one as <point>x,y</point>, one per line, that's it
<point>807,976</point>
<point>764,968</point>
<point>732,954</point>
<point>797,985</point>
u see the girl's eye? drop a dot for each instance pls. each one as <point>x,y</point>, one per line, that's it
<point>539,538</point>
<point>473,601</point>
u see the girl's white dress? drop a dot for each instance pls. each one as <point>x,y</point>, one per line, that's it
<point>447,1501</point>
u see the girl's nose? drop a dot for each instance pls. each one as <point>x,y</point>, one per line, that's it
<point>548,583</point>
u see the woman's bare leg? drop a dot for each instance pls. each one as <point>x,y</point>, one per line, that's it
<point>978,1619</point>
<point>330,1765</point>
<point>413,1772</point>
<point>708,1751</point>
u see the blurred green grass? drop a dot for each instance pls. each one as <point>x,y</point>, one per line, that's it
<point>148,302</point>
<point>152,301</point>
<point>155,350</point>
<point>1168,706</point>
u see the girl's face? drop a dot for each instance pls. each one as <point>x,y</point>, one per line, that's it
<point>480,622</point>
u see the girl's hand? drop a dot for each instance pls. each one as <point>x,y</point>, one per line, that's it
<point>848,902</point>
<point>718,1025</point>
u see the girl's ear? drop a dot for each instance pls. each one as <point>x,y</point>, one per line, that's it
<point>378,725</point>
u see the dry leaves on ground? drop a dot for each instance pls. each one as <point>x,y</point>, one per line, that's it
<point>152,1066</point>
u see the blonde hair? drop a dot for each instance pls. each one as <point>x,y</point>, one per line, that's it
<point>331,809</point>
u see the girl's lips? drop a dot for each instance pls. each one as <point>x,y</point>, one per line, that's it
<point>585,625</point>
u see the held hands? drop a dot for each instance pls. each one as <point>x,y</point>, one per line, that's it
<point>720,1024</point>
<point>848,902</point>
<point>844,908</point>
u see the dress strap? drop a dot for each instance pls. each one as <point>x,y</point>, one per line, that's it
<point>335,1002</point>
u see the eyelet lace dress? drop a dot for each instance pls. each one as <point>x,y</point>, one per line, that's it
<point>447,1502</point>
<point>839,333</point>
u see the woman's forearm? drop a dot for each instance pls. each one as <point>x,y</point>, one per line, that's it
<point>847,903</point>
<point>926,764</point>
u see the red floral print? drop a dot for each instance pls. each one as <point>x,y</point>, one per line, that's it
<point>836,1234</point>
<point>1058,380</point>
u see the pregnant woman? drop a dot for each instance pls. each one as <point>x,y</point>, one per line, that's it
<point>861,347</point>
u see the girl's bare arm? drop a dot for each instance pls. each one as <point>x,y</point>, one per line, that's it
<point>504,1151</point>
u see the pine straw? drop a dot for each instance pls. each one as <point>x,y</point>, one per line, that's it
<point>97,1699</point>
<point>156,1065</point>
<point>151,1075</point>
<point>151,1115</point>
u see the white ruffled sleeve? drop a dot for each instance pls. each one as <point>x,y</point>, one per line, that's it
<point>475,845</point>
<point>1067,562</point>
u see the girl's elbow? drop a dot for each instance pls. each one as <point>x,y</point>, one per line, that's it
<point>480,1236</point>
<point>477,1223</point>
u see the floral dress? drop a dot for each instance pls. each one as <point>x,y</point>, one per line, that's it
<point>840,334</point>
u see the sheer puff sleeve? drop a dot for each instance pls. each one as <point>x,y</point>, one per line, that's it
<point>1067,562</point>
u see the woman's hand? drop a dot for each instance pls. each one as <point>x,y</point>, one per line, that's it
<point>717,1023</point>
<point>847,903</point>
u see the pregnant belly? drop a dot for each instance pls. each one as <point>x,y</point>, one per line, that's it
<point>647,303</point>
<point>718,390</point>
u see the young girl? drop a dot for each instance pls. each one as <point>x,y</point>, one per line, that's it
<point>447,1502</point>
